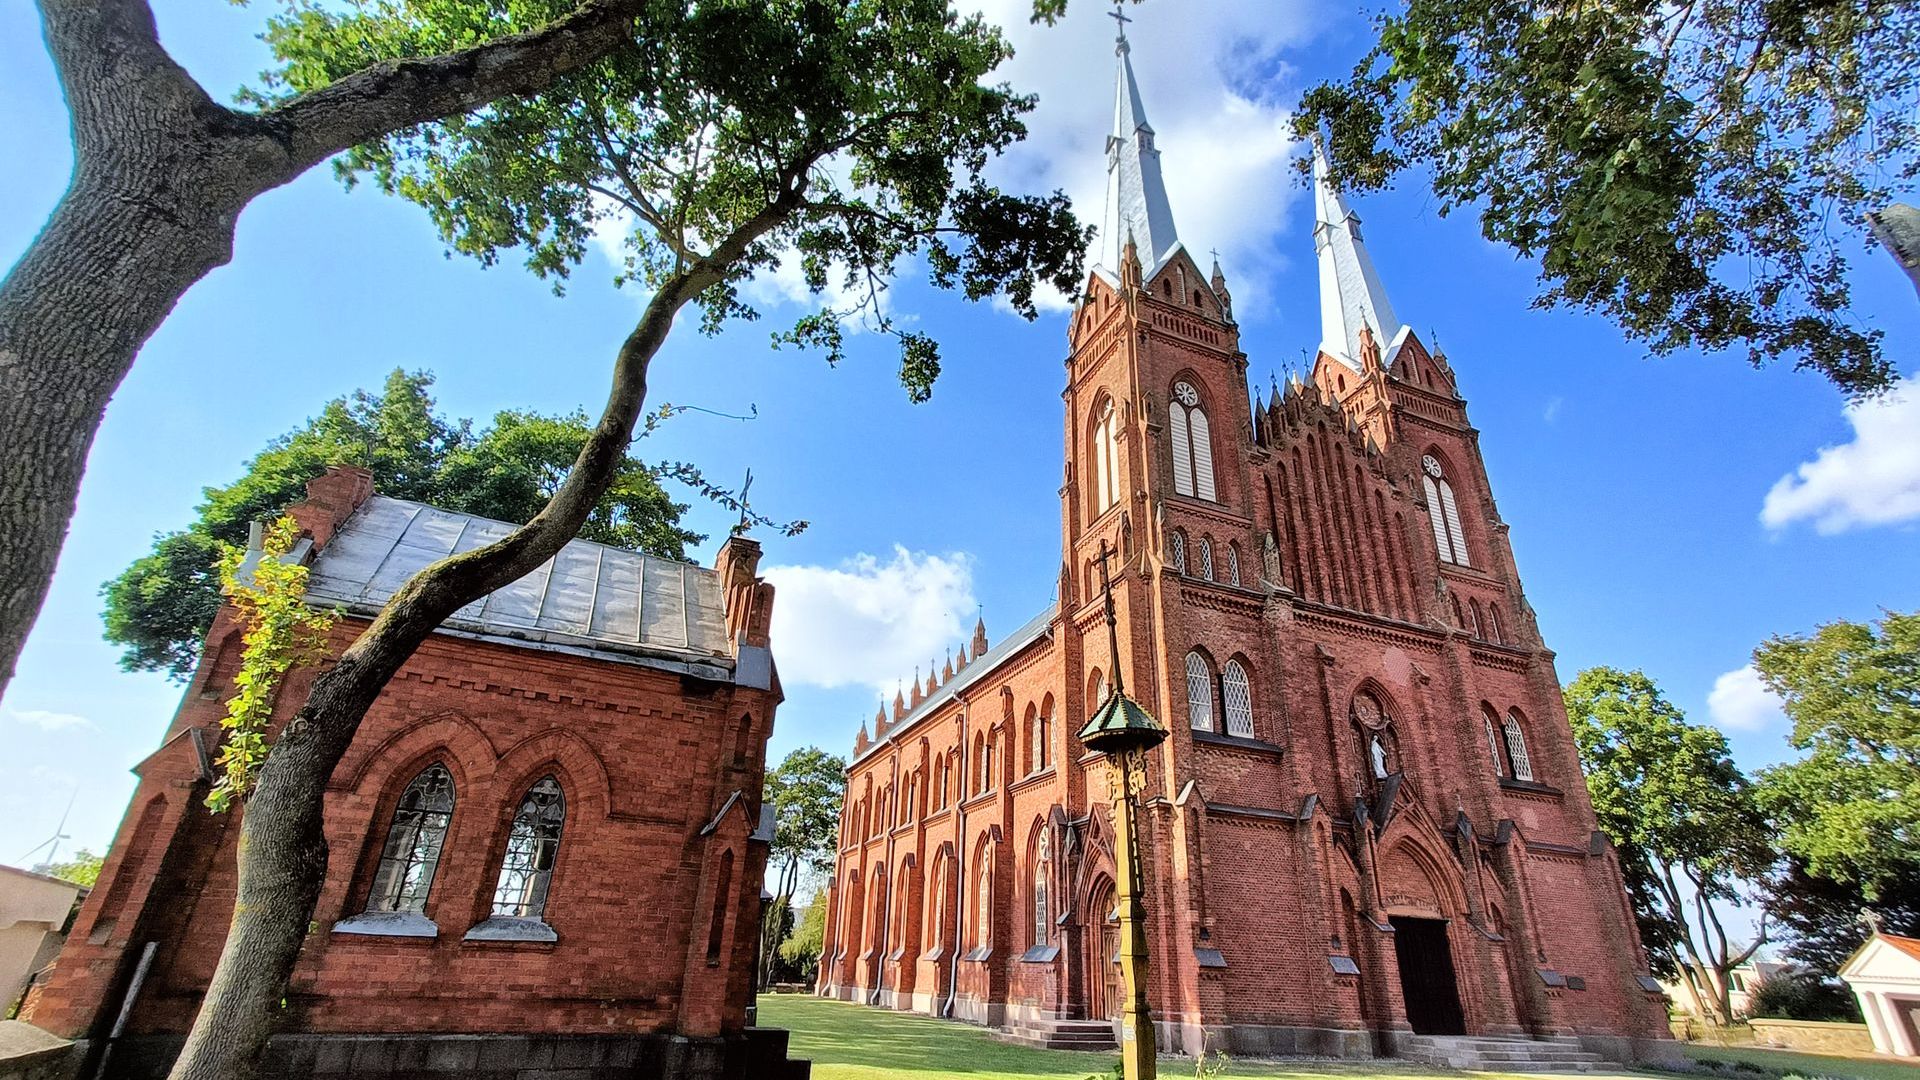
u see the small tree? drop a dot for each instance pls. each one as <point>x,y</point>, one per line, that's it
<point>1821,920</point>
<point>1684,818</point>
<point>805,791</point>
<point>800,951</point>
<point>856,131</point>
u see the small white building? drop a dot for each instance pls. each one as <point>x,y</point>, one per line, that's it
<point>1885,975</point>
<point>34,910</point>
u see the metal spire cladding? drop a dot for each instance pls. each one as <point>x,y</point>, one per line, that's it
<point>1136,194</point>
<point>1351,295</point>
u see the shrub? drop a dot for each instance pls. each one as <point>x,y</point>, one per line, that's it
<point>1798,995</point>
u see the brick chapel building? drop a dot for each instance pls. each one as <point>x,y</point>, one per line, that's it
<point>546,840</point>
<point>1369,823</point>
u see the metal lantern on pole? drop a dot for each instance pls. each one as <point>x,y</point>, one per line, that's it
<point>1126,733</point>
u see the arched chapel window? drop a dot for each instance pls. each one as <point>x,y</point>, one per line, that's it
<point>1042,732</point>
<point>414,840</point>
<point>1204,558</point>
<point>532,846</point>
<point>1233,563</point>
<point>1199,693</point>
<point>1443,513</point>
<point>1177,551</point>
<point>1517,748</point>
<point>1493,625</point>
<point>1106,455</point>
<point>1192,443</point>
<point>983,902</point>
<point>1236,699</point>
<point>1473,618</point>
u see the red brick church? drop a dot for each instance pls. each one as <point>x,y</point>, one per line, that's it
<point>1368,833</point>
<point>545,843</point>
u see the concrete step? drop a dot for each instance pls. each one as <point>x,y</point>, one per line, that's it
<point>1061,1034</point>
<point>1500,1053</point>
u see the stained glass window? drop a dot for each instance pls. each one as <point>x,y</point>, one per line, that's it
<point>527,869</point>
<point>414,840</point>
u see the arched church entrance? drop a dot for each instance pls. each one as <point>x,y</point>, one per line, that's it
<point>1104,992</point>
<point>1418,907</point>
<point>1427,982</point>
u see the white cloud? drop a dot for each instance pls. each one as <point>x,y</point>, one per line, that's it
<point>1219,101</point>
<point>1552,411</point>
<point>1873,480</point>
<point>867,622</point>
<point>1739,701</point>
<point>50,721</point>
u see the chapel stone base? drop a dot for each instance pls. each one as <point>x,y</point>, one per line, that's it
<point>757,1054</point>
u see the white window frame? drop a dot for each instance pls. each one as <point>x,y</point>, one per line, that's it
<point>1517,748</point>
<point>1199,692</point>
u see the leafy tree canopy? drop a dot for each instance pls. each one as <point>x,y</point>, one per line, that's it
<point>873,112</point>
<point>806,791</point>
<point>1822,917</point>
<point>1850,808</point>
<point>82,869</point>
<point>1682,814</point>
<point>159,608</point>
<point>1697,171</point>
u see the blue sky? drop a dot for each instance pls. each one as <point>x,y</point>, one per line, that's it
<point>1635,488</point>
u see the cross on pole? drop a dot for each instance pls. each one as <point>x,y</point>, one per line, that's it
<point>1113,632</point>
<point>1119,18</point>
<point>740,529</point>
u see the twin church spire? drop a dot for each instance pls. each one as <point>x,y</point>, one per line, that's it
<point>1351,296</point>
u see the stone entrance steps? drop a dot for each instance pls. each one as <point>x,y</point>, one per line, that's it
<point>1061,1034</point>
<point>1494,1054</point>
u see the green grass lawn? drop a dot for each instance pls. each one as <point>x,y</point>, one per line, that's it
<point>1822,1064</point>
<point>851,1042</point>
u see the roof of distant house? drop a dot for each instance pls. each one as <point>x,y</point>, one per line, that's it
<point>590,598</point>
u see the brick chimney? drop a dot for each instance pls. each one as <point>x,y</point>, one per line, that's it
<point>749,600</point>
<point>332,497</point>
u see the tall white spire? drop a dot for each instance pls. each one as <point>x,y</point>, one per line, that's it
<point>1136,195</point>
<point>1351,295</point>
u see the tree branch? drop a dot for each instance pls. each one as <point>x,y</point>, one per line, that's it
<point>396,94</point>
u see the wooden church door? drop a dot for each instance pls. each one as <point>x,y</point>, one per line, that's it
<point>1104,988</point>
<point>1426,976</point>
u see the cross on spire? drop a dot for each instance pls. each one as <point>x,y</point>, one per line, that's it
<point>1120,21</point>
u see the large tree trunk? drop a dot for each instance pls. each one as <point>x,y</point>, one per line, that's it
<point>149,210</point>
<point>161,173</point>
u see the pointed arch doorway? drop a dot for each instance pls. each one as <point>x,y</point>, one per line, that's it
<point>1102,938</point>
<point>1427,983</point>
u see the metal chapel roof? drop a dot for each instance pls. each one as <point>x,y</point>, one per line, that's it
<point>589,598</point>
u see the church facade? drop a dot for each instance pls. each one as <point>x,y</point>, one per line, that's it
<point>545,841</point>
<point>1369,822</point>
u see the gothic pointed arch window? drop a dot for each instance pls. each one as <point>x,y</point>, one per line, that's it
<point>1192,438</point>
<point>1203,558</point>
<point>983,903</point>
<point>1177,551</point>
<point>1042,879</point>
<point>1043,735</point>
<point>1443,512</point>
<point>1517,747</point>
<point>1493,624</point>
<point>1106,457</point>
<point>1199,692</point>
<point>1233,563</point>
<point>1473,619</point>
<point>533,844</point>
<point>1491,721</point>
<point>414,841</point>
<point>1236,699</point>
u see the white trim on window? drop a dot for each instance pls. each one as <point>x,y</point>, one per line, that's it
<point>1199,693</point>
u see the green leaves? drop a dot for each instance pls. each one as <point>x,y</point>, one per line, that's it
<point>1850,808</point>
<point>861,126</point>
<point>278,630</point>
<point>1688,171</point>
<point>805,791</point>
